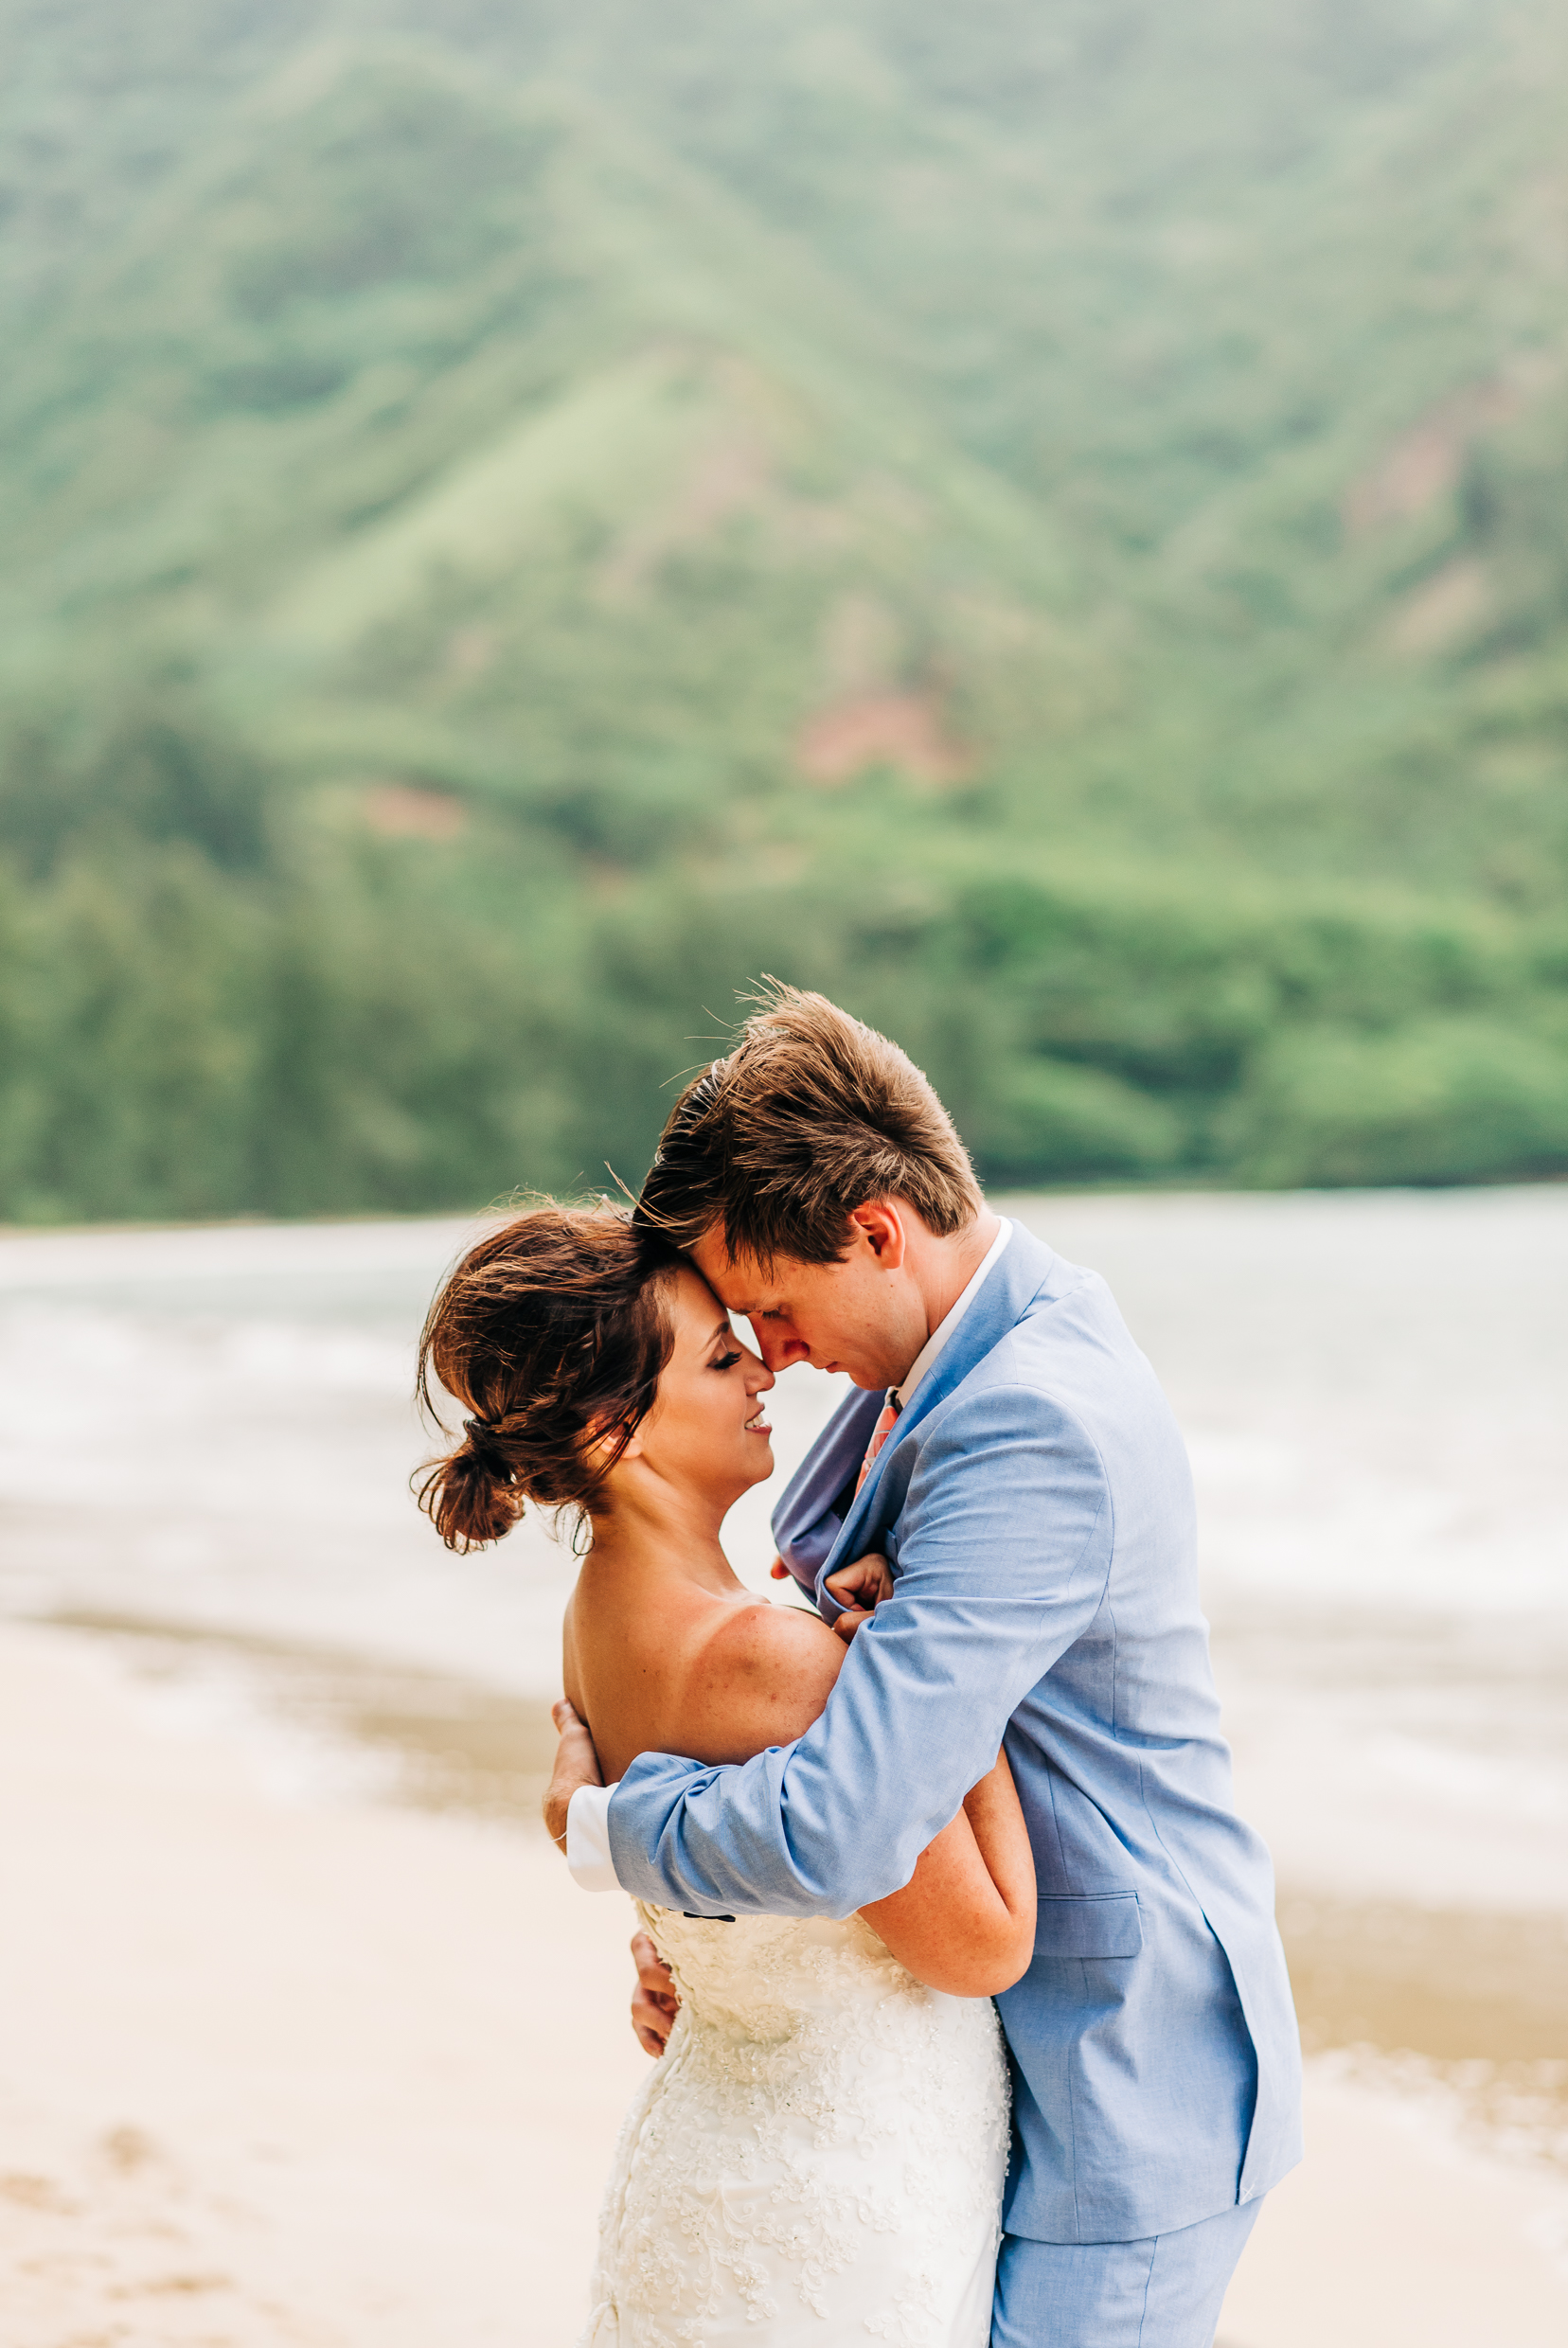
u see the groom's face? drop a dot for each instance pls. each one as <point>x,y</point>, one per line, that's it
<point>862,1315</point>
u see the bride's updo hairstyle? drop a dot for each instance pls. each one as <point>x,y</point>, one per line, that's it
<point>552,1333</point>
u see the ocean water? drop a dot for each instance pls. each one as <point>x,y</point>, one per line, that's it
<point>211,1432</point>
<point>1374,1391</point>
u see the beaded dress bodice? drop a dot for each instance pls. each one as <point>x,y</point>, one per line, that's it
<point>818,2157</point>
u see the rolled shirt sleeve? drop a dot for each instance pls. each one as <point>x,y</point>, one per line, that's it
<point>588,1840</point>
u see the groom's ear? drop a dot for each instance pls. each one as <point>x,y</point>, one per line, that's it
<point>880,1225</point>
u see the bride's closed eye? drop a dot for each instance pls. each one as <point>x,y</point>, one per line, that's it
<point>724,1362</point>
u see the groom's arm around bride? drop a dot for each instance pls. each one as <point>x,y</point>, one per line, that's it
<point>1011,1453</point>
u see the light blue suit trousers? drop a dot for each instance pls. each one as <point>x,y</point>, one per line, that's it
<point>1036,1506</point>
<point>1165,2292</point>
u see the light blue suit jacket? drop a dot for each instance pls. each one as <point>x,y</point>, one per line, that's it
<point>1036,1504</point>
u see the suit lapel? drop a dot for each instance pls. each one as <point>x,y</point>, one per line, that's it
<point>804,1524</point>
<point>1010,1288</point>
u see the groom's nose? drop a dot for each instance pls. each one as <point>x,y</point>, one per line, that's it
<point>779,1348</point>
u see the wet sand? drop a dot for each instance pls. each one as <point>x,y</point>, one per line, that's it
<point>298,2056</point>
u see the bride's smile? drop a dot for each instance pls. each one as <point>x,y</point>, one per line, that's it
<point>705,1439</point>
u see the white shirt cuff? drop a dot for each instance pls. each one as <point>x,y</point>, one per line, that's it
<point>588,1839</point>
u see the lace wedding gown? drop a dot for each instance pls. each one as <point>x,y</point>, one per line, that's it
<point>818,2157</point>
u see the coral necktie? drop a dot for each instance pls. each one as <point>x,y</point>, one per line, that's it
<point>879,1433</point>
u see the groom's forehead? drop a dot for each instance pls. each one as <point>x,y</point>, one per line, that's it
<point>743,1287</point>
<point>742,1282</point>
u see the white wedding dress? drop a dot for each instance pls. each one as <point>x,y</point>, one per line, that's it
<point>818,2157</point>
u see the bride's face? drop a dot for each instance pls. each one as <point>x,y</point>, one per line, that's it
<point>708,1428</point>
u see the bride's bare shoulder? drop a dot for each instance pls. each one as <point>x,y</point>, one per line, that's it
<point>764,1674</point>
<point>772,1639</point>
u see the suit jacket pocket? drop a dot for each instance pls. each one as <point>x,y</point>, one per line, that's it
<point>1094,1924</point>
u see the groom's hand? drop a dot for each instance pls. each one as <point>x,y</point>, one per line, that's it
<point>575,1764</point>
<point>860,1589</point>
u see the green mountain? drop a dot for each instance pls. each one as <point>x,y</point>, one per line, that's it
<point>514,520</point>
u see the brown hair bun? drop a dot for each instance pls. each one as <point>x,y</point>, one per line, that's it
<point>552,1332</point>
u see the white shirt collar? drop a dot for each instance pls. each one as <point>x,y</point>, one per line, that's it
<point>945,1327</point>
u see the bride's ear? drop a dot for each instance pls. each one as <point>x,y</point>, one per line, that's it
<point>602,1450</point>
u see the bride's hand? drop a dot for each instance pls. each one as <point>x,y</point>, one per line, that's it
<point>860,1590</point>
<point>575,1764</point>
<point>654,2004</point>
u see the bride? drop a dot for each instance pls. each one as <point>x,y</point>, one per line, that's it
<point>820,2153</point>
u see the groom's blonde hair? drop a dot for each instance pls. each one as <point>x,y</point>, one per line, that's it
<point>811,1116</point>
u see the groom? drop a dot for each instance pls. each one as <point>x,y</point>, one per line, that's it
<point>1011,1456</point>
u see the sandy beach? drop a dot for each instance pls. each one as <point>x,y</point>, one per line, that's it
<point>336,2071</point>
<point>326,2074</point>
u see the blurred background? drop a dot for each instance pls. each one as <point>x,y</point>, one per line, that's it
<point>1049,521</point>
<point>1049,524</point>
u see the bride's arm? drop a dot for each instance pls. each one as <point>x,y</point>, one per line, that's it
<point>964,1921</point>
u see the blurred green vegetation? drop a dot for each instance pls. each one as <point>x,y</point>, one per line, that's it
<point>1049,522</point>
